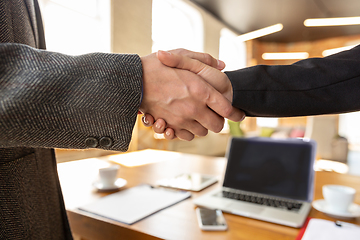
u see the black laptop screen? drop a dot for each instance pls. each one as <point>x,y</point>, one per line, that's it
<point>281,168</point>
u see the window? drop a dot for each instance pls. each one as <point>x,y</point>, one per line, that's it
<point>232,51</point>
<point>76,26</point>
<point>267,122</point>
<point>349,127</point>
<point>176,24</point>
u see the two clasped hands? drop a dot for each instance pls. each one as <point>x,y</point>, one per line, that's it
<point>186,94</point>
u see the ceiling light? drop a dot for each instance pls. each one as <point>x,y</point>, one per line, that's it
<point>285,55</point>
<point>332,51</point>
<point>261,32</point>
<point>319,22</point>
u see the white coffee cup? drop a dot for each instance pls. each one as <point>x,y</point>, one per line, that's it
<point>108,175</point>
<point>338,198</point>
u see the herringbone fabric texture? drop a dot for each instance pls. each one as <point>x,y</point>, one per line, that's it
<point>52,100</point>
<point>15,23</point>
<point>31,202</point>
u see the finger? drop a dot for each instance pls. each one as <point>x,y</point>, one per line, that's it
<point>216,101</point>
<point>169,134</point>
<point>221,65</point>
<point>202,57</point>
<point>208,119</point>
<point>186,114</point>
<point>193,126</point>
<point>147,120</point>
<point>184,135</point>
<point>213,76</point>
<point>159,126</point>
<point>219,104</point>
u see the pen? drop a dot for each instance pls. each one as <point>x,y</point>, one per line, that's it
<point>345,224</point>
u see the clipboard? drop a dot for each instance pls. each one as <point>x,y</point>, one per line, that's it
<point>321,229</point>
<point>133,204</point>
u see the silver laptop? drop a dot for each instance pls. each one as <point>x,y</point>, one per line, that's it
<point>267,179</point>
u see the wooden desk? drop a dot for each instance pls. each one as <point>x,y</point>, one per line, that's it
<point>178,221</point>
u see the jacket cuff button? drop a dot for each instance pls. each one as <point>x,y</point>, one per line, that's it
<point>91,142</point>
<point>106,142</point>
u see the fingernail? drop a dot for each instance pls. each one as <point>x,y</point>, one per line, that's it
<point>157,125</point>
<point>220,63</point>
<point>243,118</point>
<point>167,133</point>
<point>165,52</point>
<point>144,119</point>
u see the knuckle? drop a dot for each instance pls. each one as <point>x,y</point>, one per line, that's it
<point>208,58</point>
<point>192,111</point>
<point>189,111</point>
<point>180,122</point>
<point>207,96</point>
<point>180,51</point>
<point>201,91</point>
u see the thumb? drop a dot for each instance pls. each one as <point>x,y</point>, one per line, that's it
<point>202,57</point>
<point>180,61</point>
<point>214,77</point>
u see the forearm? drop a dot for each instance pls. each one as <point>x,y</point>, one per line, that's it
<point>309,87</point>
<point>54,100</point>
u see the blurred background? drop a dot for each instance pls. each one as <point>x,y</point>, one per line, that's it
<point>242,33</point>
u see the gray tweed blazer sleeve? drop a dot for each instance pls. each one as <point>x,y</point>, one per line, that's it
<point>52,100</point>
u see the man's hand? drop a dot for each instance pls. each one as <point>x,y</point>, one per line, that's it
<point>196,64</point>
<point>189,105</point>
<point>202,57</point>
<point>213,76</point>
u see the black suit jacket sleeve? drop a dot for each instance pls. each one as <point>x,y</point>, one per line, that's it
<point>50,100</point>
<point>309,87</point>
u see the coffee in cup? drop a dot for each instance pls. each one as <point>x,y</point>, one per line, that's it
<point>338,198</point>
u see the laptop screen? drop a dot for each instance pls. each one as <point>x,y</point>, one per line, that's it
<point>282,168</point>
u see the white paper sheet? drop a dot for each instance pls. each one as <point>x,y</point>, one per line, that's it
<point>133,204</point>
<point>320,229</point>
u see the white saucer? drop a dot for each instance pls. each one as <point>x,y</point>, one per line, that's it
<point>353,212</point>
<point>119,183</point>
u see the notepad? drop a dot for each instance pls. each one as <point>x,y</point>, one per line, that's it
<point>133,204</point>
<point>321,229</point>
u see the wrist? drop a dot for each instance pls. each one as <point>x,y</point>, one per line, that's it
<point>230,92</point>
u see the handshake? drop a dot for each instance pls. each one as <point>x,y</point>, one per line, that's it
<point>186,94</point>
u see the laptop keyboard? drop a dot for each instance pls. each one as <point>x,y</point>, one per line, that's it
<point>272,202</point>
